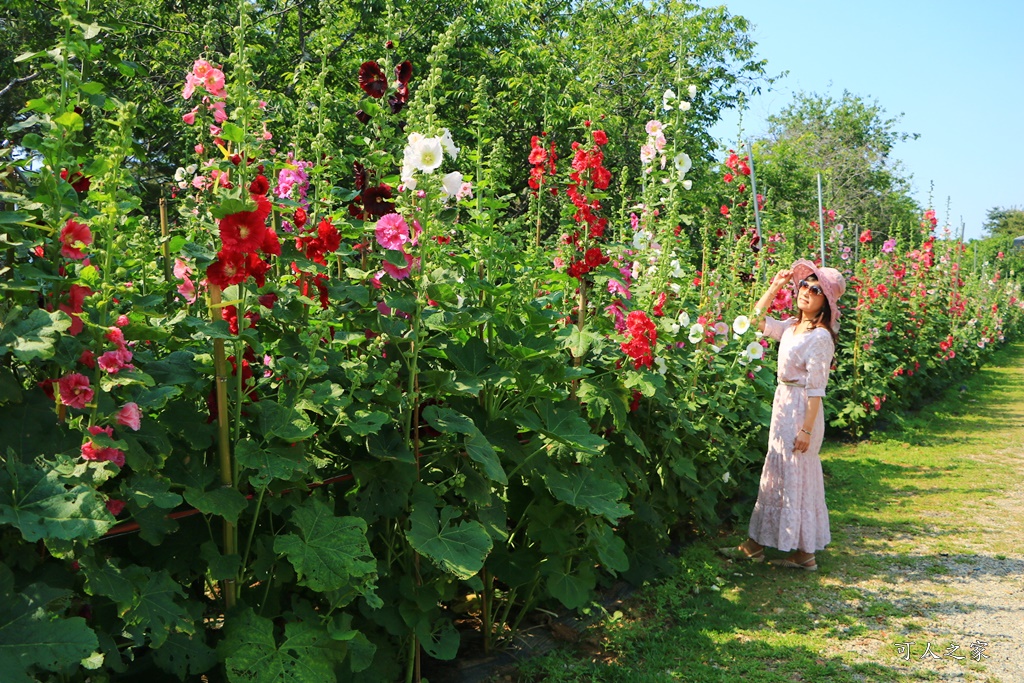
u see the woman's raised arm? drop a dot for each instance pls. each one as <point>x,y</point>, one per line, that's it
<point>778,282</point>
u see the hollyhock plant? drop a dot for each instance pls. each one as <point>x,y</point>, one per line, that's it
<point>74,237</point>
<point>643,335</point>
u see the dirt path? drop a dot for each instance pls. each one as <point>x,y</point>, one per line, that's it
<point>929,575</point>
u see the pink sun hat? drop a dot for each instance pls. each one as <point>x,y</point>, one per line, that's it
<point>831,281</point>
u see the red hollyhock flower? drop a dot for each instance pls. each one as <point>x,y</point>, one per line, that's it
<point>259,185</point>
<point>73,238</point>
<point>329,235</point>
<point>600,137</point>
<point>724,210</point>
<point>229,269</point>
<point>403,72</point>
<point>398,101</point>
<point>865,236</point>
<point>300,217</point>
<point>372,80</point>
<point>268,300</point>
<point>79,182</point>
<point>375,200</point>
<point>271,244</point>
<point>538,155</point>
<point>258,268</point>
<point>244,231</point>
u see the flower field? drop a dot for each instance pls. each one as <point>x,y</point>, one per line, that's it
<point>341,396</point>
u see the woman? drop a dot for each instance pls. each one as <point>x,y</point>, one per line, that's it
<point>790,512</point>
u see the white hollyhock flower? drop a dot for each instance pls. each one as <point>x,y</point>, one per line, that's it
<point>647,154</point>
<point>741,324</point>
<point>696,333</point>
<point>451,183</point>
<point>415,139</point>
<point>448,144</point>
<point>653,127</point>
<point>684,105</point>
<point>754,351</point>
<point>662,365</point>
<point>684,318</point>
<point>683,163</point>
<point>691,91</point>
<point>425,155</point>
<point>675,287</point>
<point>725,477</point>
<point>687,184</point>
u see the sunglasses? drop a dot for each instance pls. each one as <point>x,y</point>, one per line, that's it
<point>815,289</point>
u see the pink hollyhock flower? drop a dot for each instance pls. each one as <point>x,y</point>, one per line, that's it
<point>865,236</point>
<point>199,149</point>
<point>130,416</point>
<point>88,359</point>
<point>616,287</point>
<point>219,114</point>
<point>190,117</point>
<point>888,246</point>
<point>115,336</point>
<point>122,321</point>
<point>113,362</point>
<point>558,263</point>
<point>391,231</point>
<point>73,238</point>
<point>92,452</point>
<point>75,390</point>
<point>115,506</point>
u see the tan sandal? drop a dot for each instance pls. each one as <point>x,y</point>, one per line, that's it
<point>741,555</point>
<point>808,565</point>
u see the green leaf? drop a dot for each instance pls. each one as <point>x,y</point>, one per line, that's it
<point>10,388</point>
<point>367,423</point>
<point>441,641</point>
<point>223,502</point>
<point>589,489</point>
<point>611,549</point>
<point>41,505</point>
<point>329,552</point>
<point>563,424</point>
<point>70,120</point>
<point>578,341</point>
<point>389,444</point>
<point>34,336</point>
<point>446,421</point>
<point>221,566</point>
<point>32,637</point>
<point>231,205</point>
<point>270,462</point>
<point>252,655</point>
<point>572,590</point>
<point>155,610</point>
<point>91,88</point>
<point>458,548</point>
<point>284,422</point>
<point>184,655</point>
<point>232,133</point>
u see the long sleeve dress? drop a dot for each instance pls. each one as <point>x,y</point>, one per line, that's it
<point>790,512</point>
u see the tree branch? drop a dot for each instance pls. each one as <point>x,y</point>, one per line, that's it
<point>18,81</point>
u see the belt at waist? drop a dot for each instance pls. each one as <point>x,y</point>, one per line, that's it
<point>792,384</point>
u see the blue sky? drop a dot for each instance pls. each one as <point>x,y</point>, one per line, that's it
<point>955,70</point>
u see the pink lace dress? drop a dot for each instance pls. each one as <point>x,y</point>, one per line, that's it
<point>790,512</point>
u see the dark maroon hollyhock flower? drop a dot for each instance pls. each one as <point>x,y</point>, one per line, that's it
<point>372,80</point>
<point>390,45</point>
<point>375,200</point>
<point>360,175</point>
<point>403,72</point>
<point>399,99</point>
<point>362,116</point>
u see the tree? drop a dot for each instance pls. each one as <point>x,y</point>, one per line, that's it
<point>849,142</point>
<point>1000,222</point>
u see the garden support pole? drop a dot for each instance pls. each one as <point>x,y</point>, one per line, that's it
<point>753,190</point>
<point>821,222</point>
<point>164,239</point>
<point>223,441</point>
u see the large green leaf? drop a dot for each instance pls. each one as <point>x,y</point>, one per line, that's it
<point>446,420</point>
<point>589,489</point>
<point>184,656</point>
<point>35,335</point>
<point>154,609</point>
<point>40,505</point>
<point>328,552</point>
<point>284,422</point>
<point>270,462</point>
<point>223,502</point>
<point>573,589</point>
<point>32,638</point>
<point>252,655</point>
<point>562,423</point>
<point>458,548</point>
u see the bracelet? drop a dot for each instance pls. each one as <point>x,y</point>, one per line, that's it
<point>805,432</point>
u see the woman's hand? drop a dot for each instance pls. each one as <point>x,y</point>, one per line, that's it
<point>802,443</point>
<point>781,278</point>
